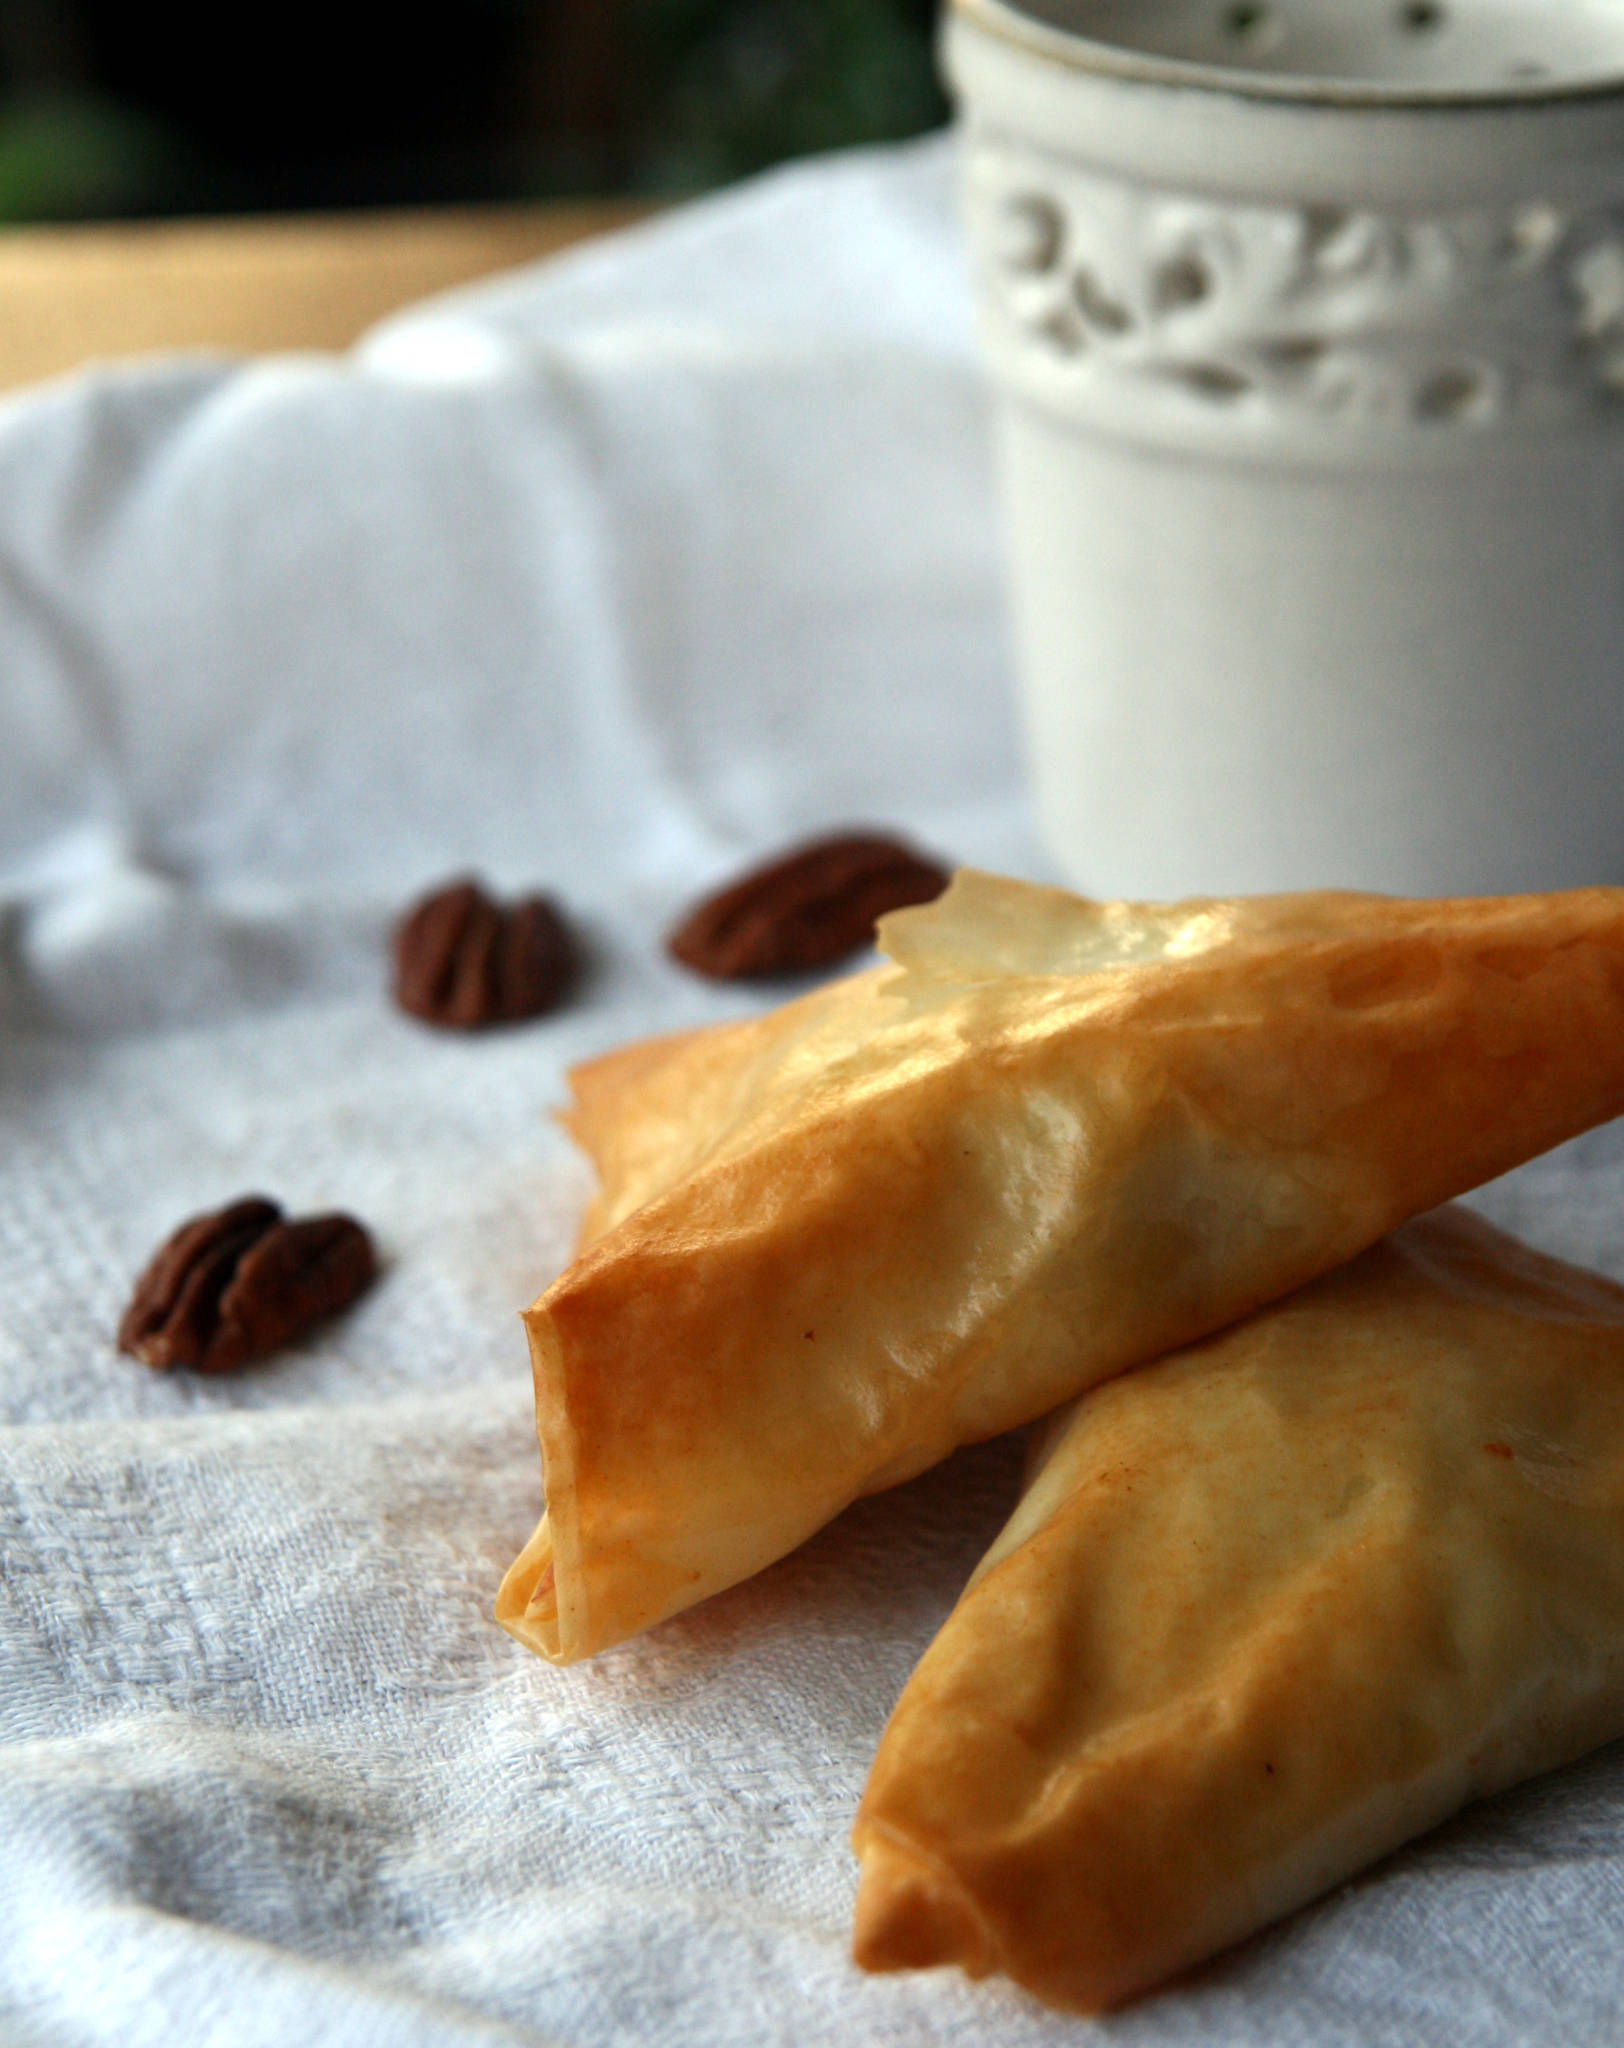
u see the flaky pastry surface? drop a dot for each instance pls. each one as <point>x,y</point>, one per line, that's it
<point>1049,1140</point>
<point>1266,1610</point>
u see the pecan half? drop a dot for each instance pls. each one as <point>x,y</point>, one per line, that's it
<point>808,909</point>
<point>242,1281</point>
<point>463,960</point>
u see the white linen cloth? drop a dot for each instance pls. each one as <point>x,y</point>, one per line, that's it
<point>607,577</point>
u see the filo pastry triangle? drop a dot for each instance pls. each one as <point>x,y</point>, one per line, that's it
<point>1049,1139</point>
<point>1267,1609</point>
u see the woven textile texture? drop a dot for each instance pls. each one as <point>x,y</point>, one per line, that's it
<point>605,578</point>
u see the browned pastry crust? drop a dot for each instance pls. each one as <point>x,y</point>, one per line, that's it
<point>1268,1608</point>
<point>1054,1139</point>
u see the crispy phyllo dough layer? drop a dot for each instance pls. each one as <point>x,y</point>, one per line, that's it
<point>1267,1609</point>
<point>1050,1139</point>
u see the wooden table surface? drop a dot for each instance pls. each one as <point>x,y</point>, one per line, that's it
<point>72,295</point>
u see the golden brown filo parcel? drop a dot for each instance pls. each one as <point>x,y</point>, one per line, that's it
<point>1267,1609</point>
<point>1050,1140</point>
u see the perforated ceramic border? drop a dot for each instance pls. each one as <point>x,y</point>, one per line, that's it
<point>1399,52</point>
<point>1471,320</point>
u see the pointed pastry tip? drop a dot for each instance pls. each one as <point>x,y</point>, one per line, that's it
<point>912,1914</point>
<point>527,1600</point>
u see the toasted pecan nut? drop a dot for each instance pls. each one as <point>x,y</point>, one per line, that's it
<point>463,960</point>
<point>240,1282</point>
<point>810,908</point>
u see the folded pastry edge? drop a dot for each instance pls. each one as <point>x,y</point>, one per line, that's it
<point>912,1911</point>
<point>524,1578</point>
<point>542,1598</point>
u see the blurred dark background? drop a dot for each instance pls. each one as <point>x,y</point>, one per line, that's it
<point>109,110</point>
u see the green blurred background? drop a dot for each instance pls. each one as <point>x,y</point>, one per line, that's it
<point>109,110</point>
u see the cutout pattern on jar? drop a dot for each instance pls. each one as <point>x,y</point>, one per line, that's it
<point>1269,312</point>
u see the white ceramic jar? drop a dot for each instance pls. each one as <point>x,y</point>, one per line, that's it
<point>1307,321</point>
